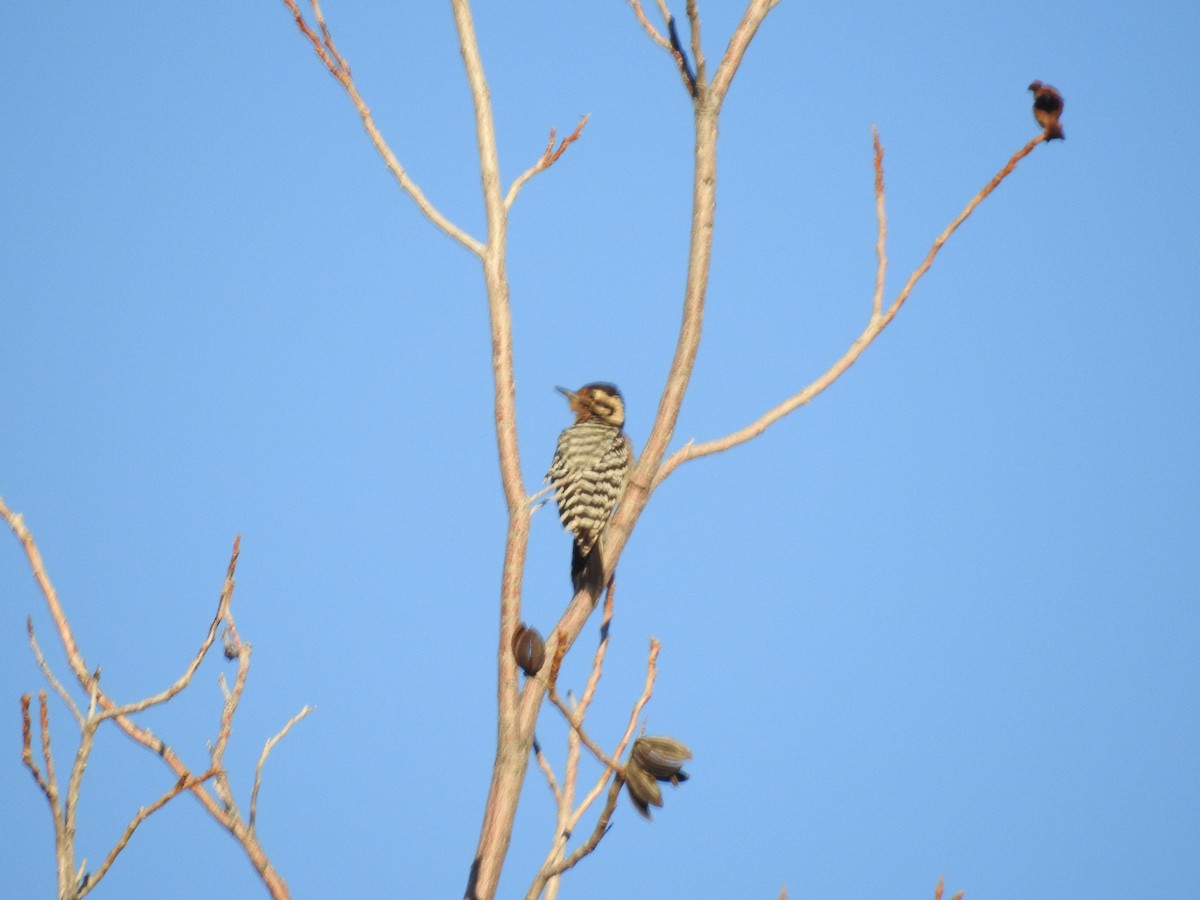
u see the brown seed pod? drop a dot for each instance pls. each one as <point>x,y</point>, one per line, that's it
<point>661,757</point>
<point>529,649</point>
<point>643,789</point>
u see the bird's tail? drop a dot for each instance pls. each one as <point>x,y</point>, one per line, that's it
<point>587,570</point>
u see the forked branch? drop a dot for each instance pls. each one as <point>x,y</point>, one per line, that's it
<point>327,52</point>
<point>877,323</point>
<point>941,886</point>
<point>568,819</point>
<point>73,881</point>
<point>183,784</point>
<point>548,158</point>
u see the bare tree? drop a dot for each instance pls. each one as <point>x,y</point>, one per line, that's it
<point>650,760</point>
<point>519,704</point>
<point>75,881</point>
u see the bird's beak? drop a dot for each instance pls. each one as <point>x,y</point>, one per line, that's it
<point>570,395</point>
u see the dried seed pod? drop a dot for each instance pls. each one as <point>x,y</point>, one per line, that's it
<point>529,649</point>
<point>643,789</point>
<point>661,757</point>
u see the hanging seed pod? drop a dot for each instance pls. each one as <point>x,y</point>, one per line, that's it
<point>528,649</point>
<point>654,759</point>
<point>661,757</point>
<point>643,789</point>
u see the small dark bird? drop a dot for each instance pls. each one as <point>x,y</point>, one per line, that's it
<point>1047,107</point>
<point>589,471</point>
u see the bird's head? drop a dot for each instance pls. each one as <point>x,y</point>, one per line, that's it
<point>598,400</point>
<point>1035,86</point>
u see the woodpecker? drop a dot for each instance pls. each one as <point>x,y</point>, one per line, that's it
<point>589,471</point>
<point>1047,107</point>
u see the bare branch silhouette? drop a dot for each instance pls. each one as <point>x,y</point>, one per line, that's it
<point>327,52</point>
<point>941,885</point>
<point>519,703</point>
<point>881,217</point>
<point>183,784</point>
<point>267,748</point>
<point>874,327</point>
<point>649,29</point>
<point>568,819</point>
<point>548,158</point>
<point>73,880</point>
<point>49,675</point>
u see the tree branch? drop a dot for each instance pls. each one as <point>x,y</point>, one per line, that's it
<point>549,871</point>
<point>873,329</point>
<point>516,733</point>
<point>49,675</point>
<point>554,864</point>
<point>548,158</point>
<point>513,741</point>
<point>881,217</point>
<point>145,812</point>
<point>575,720</point>
<point>50,790</point>
<point>693,14</point>
<point>267,748</point>
<point>755,13</point>
<point>186,678</point>
<point>649,29</point>
<point>326,51</point>
<point>144,736</point>
<point>548,771</point>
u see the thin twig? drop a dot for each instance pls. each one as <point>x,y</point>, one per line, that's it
<point>549,870</point>
<point>589,689</point>
<point>183,784</point>
<point>186,678</point>
<point>547,770</point>
<point>675,47</point>
<point>575,721</point>
<point>681,60</point>
<point>339,69</point>
<point>755,13</point>
<point>232,699</point>
<point>941,886</point>
<point>548,158</point>
<point>701,79</point>
<point>649,29</point>
<point>45,667</point>
<point>864,340</point>
<point>27,748</point>
<point>87,739</point>
<point>270,745</point>
<point>601,829</point>
<point>554,864</point>
<point>89,681</point>
<point>327,38</point>
<point>566,817</point>
<point>634,714</point>
<point>47,756</point>
<point>881,217</point>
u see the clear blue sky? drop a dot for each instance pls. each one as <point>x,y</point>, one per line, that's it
<point>943,620</point>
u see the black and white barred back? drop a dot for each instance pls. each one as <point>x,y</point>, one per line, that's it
<point>588,474</point>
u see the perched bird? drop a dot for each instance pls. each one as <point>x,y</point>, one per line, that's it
<point>589,471</point>
<point>1047,107</point>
